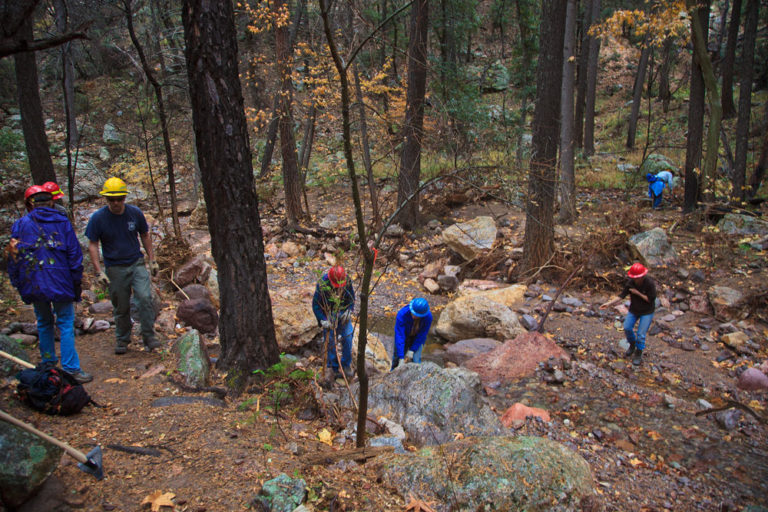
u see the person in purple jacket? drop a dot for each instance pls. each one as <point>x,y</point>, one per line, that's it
<point>46,268</point>
<point>411,327</point>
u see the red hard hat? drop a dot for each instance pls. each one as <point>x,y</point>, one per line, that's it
<point>337,276</point>
<point>54,189</point>
<point>34,189</point>
<point>637,270</point>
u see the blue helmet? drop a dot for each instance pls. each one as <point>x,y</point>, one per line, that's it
<point>419,307</point>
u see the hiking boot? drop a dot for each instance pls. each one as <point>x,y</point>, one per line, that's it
<point>336,374</point>
<point>638,358</point>
<point>82,377</point>
<point>152,344</point>
<point>121,348</point>
<point>630,350</point>
<point>349,373</point>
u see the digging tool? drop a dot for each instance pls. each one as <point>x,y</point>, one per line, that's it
<point>16,360</point>
<point>90,463</point>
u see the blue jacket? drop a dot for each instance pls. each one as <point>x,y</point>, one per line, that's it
<point>403,326</point>
<point>324,299</point>
<point>50,260</point>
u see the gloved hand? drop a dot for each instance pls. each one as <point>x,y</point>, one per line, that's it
<point>78,285</point>
<point>154,268</point>
<point>409,355</point>
<point>346,316</point>
<point>102,280</point>
<point>325,324</point>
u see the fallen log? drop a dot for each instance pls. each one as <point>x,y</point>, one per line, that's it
<point>357,454</point>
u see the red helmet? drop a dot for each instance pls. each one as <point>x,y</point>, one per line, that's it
<point>637,270</point>
<point>54,189</point>
<point>34,189</point>
<point>337,276</point>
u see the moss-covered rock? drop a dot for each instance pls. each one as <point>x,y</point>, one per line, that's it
<point>194,363</point>
<point>8,367</point>
<point>493,473</point>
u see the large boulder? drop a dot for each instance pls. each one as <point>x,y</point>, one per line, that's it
<point>194,291</point>
<point>7,367</point>
<point>26,461</point>
<point>470,238</point>
<point>200,314</point>
<point>431,403</point>
<point>376,352</point>
<point>493,473</point>
<point>511,296</point>
<point>653,248</point>
<point>90,179</point>
<point>736,224</point>
<point>189,272</point>
<point>295,324</point>
<point>477,316</point>
<point>725,301</point>
<point>194,363</point>
<point>515,358</point>
<point>464,350</point>
<point>655,163</point>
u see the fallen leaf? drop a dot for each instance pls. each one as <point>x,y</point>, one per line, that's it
<point>114,380</point>
<point>416,505</point>
<point>159,499</point>
<point>325,436</point>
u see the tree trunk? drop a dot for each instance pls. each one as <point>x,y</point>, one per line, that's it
<point>31,108</point>
<point>68,75</point>
<point>762,162</point>
<point>539,239</point>
<point>637,93</point>
<point>362,409</point>
<point>291,179</point>
<point>581,73</point>
<point>526,43</point>
<point>745,100</point>
<point>665,91</point>
<point>366,147</point>
<point>413,129</point>
<point>726,70</point>
<point>589,114</point>
<point>247,331</point>
<point>161,115</point>
<point>567,178</point>
<point>695,122</point>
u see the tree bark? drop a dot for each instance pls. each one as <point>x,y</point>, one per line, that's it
<point>762,162</point>
<point>715,109</point>
<point>291,180</point>
<point>161,115</point>
<point>539,238</point>
<point>68,75</point>
<point>31,108</point>
<point>581,73</point>
<point>695,122</point>
<point>589,114</point>
<point>413,129</point>
<point>667,58</point>
<point>221,134</point>
<point>726,70</point>
<point>567,177</point>
<point>637,93</point>
<point>745,100</point>
<point>366,148</point>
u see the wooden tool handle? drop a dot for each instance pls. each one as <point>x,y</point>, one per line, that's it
<point>16,360</point>
<point>78,455</point>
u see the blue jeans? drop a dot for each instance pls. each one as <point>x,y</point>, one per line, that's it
<point>346,331</point>
<point>64,313</point>
<point>643,323</point>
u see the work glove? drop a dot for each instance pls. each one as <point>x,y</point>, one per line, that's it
<point>78,286</point>
<point>325,324</point>
<point>102,280</point>
<point>409,355</point>
<point>154,268</point>
<point>346,316</point>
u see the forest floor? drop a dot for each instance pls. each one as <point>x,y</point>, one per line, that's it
<point>635,426</point>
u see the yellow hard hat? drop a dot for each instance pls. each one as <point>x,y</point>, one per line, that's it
<point>114,187</point>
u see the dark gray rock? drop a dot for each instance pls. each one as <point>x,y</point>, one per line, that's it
<point>493,473</point>
<point>439,402</point>
<point>653,248</point>
<point>447,283</point>
<point>528,322</point>
<point>26,461</point>
<point>728,419</point>
<point>392,441</point>
<point>464,350</point>
<point>200,314</point>
<point>103,307</point>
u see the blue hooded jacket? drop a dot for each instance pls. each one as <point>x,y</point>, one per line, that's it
<point>328,300</point>
<point>403,327</point>
<point>49,261</point>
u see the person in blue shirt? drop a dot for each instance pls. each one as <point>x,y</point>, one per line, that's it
<point>332,304</point>
<point>411,327</point>
<point>46,267</point>
<point>656,185</point>
<point>118,227</point>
